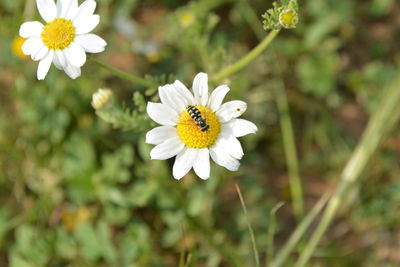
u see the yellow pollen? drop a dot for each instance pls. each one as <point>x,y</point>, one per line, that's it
<point>58,34</point>
<point>190,133</point>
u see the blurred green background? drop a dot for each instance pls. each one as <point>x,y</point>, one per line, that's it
<point>77,191</point>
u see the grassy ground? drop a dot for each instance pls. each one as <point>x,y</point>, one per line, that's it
<point>78,191</point>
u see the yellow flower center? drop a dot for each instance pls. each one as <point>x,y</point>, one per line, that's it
<point>192,135</point>
<point>288,18</point>
<point>58,34</point>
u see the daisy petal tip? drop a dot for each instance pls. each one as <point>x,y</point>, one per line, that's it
<point>204,177</point>
<point>241,127</point>
<point>178,178</point>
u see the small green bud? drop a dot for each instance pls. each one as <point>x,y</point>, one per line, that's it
<point>288,18</point>
<point>281,16</point>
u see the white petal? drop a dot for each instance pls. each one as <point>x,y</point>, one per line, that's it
<point>202,164</point>
<point>170,97</point>
<point>230,144</point>
<point>67,8</point>
<point>231,109</point>
<point>47,9</point>
<point>91,42</point>
<point>85,10</point>
<point>167,149</point>
<point>75,55</point>
<point>59,54</point>
<point>200,88</point>
<point>86,25</point>
<point>44,65</point>
<point>242,127</point>
<point>217,97</point>
<point>159,134</point>
<point>162,114</point>
<point>41,53</point>
<point>72,71</point>
<point>57,63</point>
<point>222,158</point>
<point>184,162</point>
<point>32,45</point>
<point>60,6</point>
<point>31,28</point>
<point>185,94</point>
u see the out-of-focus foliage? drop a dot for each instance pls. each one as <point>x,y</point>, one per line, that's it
<point>77,191</point>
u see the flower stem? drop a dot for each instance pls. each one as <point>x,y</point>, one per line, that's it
<point>124,75</point>
<point>247,58</point>
<point>380,123</point>
<point>298,233</point>
<point>289,147</point>
<point>289,143</point>
<point>251,232</point>
<point>271,231</point>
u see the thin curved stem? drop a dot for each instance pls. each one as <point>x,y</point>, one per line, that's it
<point>251,232</point>
<point>124,75</point>
<point>241,63</point>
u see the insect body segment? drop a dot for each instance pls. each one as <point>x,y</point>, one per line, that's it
<point>195,114</point>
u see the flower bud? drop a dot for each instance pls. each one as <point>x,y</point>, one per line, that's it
<point>100,98</point>
<point>288,18</point>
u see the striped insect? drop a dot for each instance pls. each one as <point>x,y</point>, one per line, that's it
<point>200,121</point>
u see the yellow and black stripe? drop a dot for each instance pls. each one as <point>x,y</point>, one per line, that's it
<point>195,114</point>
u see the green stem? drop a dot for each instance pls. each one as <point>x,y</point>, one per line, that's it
<point>381,122</point>
<point>247,58</point>
<point>271,231</point>
<point>289,146</point>
<point>251,232</point>
<point>124,75</point>
<point>298,233</point>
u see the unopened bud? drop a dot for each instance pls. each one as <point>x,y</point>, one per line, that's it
<point>288,18</point>
<point>100,98</point>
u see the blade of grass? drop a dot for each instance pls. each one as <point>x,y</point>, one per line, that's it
<point>188,260</point>
<point>182,254</point>
<point>381,122</point>
<point>299,232</point>
<point>271,232</point>
<point>253,240</point>
<point>289,146</point>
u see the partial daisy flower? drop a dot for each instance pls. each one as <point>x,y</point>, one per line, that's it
<point>16,47</point>
<point>195,127</point>
<point>65,38</point>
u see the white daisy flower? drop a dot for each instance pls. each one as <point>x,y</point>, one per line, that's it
<point>65,38</point>
<point>197,127</point>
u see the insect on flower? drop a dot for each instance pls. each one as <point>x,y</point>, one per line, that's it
<point>197,127</point>
<point>198,118</point>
